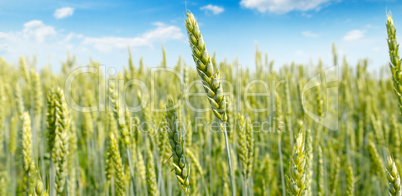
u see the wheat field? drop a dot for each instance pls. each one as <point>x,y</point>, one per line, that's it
<point>202,127</point>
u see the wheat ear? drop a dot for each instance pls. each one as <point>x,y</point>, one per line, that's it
<point>176,141</point>
<point>309,161</point>
<point>60,149</point>
<point>28,161</point>
<point>394,181</point>
<point>152,185</point>
<point>350,181</point>
<point>26,142</point>
<point>211,82</point>
<point>395,63</point>
<point>50,119</point>
<point>118,168</point>
<point>296,180</point>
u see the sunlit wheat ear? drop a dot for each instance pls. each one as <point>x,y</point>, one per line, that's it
<point>61,158</point>
<point>26,142</point>
<point>40,188</point>
<point>296,184</point>
<point>279,125</point>
<point>246,145</point>
<point>194,161</point>
<point>120,119</point>
<point>176,141</point>
<point>334,176</point>
<point>60,149</point>
<point>350,181</point>
<point>211,82</point>
<point>13,135</point>
<point>19,100</point>
<point>152,185</point>
<point>32,178</point>
<point>395,63</point>
<point>28,161</point>
<point>309,161</point>
<point>205,69</point>
<point>72,161</point>
<point>36,88</point>
<point>119,174</point>
<point>141,167</point>
<point>394,180</point>
<point>24,70</point>
<point>242,150</point>
<point>109,169</point>
<point>377,164</point>
<point>163,144</point>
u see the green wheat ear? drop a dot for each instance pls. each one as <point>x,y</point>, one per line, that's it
<point>176,141</point>
<point>245,148</point>
<point>151,176</point>
<point>51,119</point>
<point>395,63</point>
<point>350,180</point>
<point>61,143</point>
<point>118,168</point>
<point>26,141</point>
<point>394,180</point>
<point>211,80</point>
<point>211,83</point>
<point>296,181</point>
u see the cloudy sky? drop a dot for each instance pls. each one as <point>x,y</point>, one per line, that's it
<point>288,30</point>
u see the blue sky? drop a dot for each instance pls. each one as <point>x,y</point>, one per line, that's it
<point>288,30</point>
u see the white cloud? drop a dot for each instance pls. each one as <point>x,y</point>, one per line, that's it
<point>354,35</point>
<point>63,12</point>
<point>160,34</point>
<point>309,34</point>
<point>51,45</point>
<point>300,53</point>
<point>36,34</point>
<point>72,36</point>
<point>38,31</point>
<point>214,9</point>
<point>283,6</point>
<point>35,37</point>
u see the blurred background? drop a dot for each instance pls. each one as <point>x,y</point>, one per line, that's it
<point>287,30</point>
